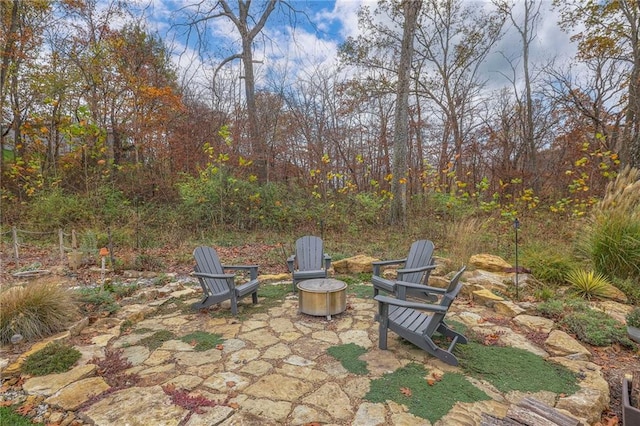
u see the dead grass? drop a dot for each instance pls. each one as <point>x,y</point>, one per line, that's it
<point>36,310</point>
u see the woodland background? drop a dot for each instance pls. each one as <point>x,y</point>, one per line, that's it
<point>100,130</point>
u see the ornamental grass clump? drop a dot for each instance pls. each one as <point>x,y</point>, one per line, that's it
<point>612,237</point>
<point>34,311</point>
<point>588,284</point>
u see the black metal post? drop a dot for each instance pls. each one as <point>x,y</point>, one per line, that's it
<point>516,226</point>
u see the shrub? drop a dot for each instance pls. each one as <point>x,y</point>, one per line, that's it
<point>633,318</point>
<point>596,328</point>
<point>588,284</point>
<point>55,209</point>
<point>35,311</point>
<point>97,299</point>
<point>56,357</point>
<point>548,263</point>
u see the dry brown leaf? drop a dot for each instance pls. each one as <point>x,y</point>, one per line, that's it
<point>219,346</point>
<point>230,384</point>
<point>431,381</point>
<point>24,410</point>
<point>405,391</point>
<point>436,376</point>
<point>234,405</point>
<point>6,403</point>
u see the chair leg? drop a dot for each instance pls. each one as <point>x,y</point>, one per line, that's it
<point>384,325</point>
<point>254,297</point>
<point>234,305</point>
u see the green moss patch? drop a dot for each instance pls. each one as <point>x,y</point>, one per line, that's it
<point>409,386</point>
<point>8,417</point>
<point>511,369</point>
<point>202,341</point>
<point>156,340</point>
<point>348,356</point>
<point>56,357</point>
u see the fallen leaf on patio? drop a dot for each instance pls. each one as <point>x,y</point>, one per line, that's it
<point>24,410</point>
<point>405,391</point>
<point>234,405</point>
<point>312,424</point>
<point>230,384</point>
<point>219,347</point>
<point>193,343</point>
<point>6,403</point>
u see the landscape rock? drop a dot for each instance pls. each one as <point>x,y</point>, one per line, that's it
<point>534,323</point>
<point>507,308</point>
<point>51,383</point>
<point>354,265</point>
<point>560,343</point>
<point>489,262</point>
<point>486,297</point>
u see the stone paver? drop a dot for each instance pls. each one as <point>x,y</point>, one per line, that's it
<point>273,369</point>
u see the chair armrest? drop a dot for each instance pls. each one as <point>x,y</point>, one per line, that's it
<point>421,287</point>
<point>378,263</point>
<point>206,275</point>
<point>408,304</point>
<point>253,269</point>
<point>420,269</point>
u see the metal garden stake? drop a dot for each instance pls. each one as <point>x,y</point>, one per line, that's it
<point>516,226</point>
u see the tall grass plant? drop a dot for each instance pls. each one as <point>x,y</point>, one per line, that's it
<point>36,310</point>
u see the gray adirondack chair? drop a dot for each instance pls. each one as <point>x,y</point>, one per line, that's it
<point>409,321</point>
<point>416,268</point>
<point>309,260</point>
<point>217,285</point>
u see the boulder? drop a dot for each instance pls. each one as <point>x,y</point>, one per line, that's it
<point>489,262</point>
<point>354,265</point>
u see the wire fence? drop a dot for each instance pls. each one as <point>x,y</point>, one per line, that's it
<point>65,243</point>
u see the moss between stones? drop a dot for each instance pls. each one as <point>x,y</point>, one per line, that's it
<point>348,356</point>
<point>511,369</point>
<point>409,386</point>
<point>202,341</point>
<point>56,357</point>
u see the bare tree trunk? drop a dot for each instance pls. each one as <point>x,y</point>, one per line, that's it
<point>398,214</point>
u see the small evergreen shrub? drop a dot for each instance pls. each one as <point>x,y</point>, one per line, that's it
<point>588,284</point>
<point>56,357</point>
<point>596,328</point>
<point>97,299</point>
<point>37,310</point>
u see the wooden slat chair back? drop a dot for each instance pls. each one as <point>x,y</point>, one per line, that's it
<point>416,269</point>
<point>218,285</point>
<point>309,260</point>
<point>409,321</point>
